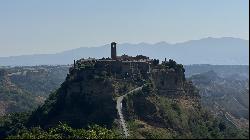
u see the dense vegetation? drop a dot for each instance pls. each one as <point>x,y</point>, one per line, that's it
<point>13,127</point>
<point>63,131</point>
<point>16,101</point>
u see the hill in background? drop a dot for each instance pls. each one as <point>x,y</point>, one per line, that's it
<point>24,88</point>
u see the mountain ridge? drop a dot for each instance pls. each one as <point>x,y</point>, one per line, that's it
<point>224,50</point>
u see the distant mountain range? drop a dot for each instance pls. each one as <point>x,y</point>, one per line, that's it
<point>217,51</point>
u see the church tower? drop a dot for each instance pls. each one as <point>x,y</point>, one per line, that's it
<point>113,50</point>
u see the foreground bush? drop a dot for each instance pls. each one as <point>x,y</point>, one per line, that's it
<point>63,131</point>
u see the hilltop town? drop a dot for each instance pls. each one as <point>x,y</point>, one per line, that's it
<point>130,68</point>
<point>123,66</point>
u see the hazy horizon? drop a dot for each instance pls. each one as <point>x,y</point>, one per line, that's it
<point>47,27</point>
<point>225,50</point>
<point>120,43</point>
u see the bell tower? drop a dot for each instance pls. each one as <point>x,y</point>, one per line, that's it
<point>113,50</point>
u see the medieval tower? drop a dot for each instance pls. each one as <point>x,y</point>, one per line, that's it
<point>113,50</point>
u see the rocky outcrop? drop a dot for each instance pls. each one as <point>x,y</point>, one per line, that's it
<point>88,95</point>
<point>169,80</point>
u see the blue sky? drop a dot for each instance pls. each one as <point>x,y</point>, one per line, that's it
<point>49,26</point>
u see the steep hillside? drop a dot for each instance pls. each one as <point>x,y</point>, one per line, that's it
<point>24,88</point>
<point>13,98</point>
<point>168,106</point>
<point>228,96</point>
<point>38,80</point>
<point>165,109</point>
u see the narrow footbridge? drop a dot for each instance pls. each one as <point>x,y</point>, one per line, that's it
<point>119,109</point>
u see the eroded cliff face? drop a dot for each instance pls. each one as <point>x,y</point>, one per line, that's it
<point>84,98</point>
<point>169,80</point>
<point>5,82</point>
